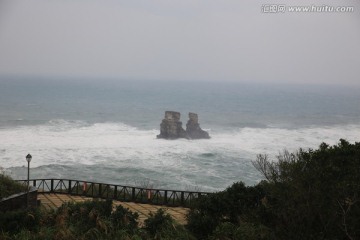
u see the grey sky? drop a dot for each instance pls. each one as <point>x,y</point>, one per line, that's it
<point>213,40</point>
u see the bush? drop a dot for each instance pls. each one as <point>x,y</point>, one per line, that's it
<point>8,186</point>
<point>236,204</point>
<point>88,220</point>
<point>80,218</point>
<point>123,218</point>
<point>227,231</point>
<point>162,226</point>
<point>313,194</point>
<point>14,221</point>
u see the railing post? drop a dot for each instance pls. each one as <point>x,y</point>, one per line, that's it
<point>115,193</point>
<point>34,183</point>
<point>148,195</point>
<point>69,187</point>
<point>77,187</point>
<point>52,186</point>
<point>182,199</point>
<point>165,197</point>
<point>133,193</point>
<point>100,189</point>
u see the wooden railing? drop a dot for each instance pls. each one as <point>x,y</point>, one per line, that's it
<point>116,192</point>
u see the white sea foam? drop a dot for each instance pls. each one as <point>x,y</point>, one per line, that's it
<point>224,158</point>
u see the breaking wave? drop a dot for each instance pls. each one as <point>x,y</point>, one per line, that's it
<point>118,153</point>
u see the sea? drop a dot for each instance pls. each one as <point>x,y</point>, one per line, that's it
<point>105,130</point>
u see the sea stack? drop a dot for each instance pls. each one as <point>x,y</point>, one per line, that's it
<point>171,127</point>
<point>193,128</point>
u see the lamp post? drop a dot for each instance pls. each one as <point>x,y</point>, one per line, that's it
<point>28,159</point>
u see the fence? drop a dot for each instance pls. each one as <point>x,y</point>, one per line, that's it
<point>116,192</point>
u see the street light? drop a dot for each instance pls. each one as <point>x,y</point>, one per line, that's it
<point>28,159</point>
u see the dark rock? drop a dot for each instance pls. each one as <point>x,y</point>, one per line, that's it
<point>171,127</point>
<point>193,128</point>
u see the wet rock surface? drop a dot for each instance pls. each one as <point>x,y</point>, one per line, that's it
<point>193,128</point>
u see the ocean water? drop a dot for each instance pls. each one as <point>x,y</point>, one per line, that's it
<point>106,131</point>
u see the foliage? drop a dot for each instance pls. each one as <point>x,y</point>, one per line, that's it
<point>310,194</point>
<point>14,221</point>
<point>248,231</point>
<point>236,204</point>
<point>315,194</point>
<point>88,220</point>
<point>162,226</point>
<point>123,218</point>
<point>8,186</point>
<point>83,218</point>
<point>158,221</point>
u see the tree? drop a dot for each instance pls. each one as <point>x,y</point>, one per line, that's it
<point>309,194</point>
<point>314,194</point>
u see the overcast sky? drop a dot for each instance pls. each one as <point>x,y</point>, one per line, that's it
<point>213,40</point>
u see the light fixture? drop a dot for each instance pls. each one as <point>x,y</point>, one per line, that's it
<point>28,159</point>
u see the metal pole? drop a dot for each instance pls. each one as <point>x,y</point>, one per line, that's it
<point>28,185</point>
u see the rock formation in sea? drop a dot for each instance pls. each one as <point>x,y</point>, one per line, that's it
<point>193,128</point>
<point>171,127</point>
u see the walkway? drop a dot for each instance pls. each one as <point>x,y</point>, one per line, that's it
<point>52,201</point>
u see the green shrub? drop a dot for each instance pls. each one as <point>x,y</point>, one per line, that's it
<point>162,226</point>
<point>14,221</point>
<point>224,231</point>
<point>79,218</point>
<point>248,231</point>
<point>310,194</point>
<point>123,218</point>
<point>237,203</point>
<point>158,221</point>
<point>314,194</point>
<point>205,215</point>
<point>8,186</point>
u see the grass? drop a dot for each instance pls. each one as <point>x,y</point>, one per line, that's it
<point>88,220</point>
<point>8,186</point>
